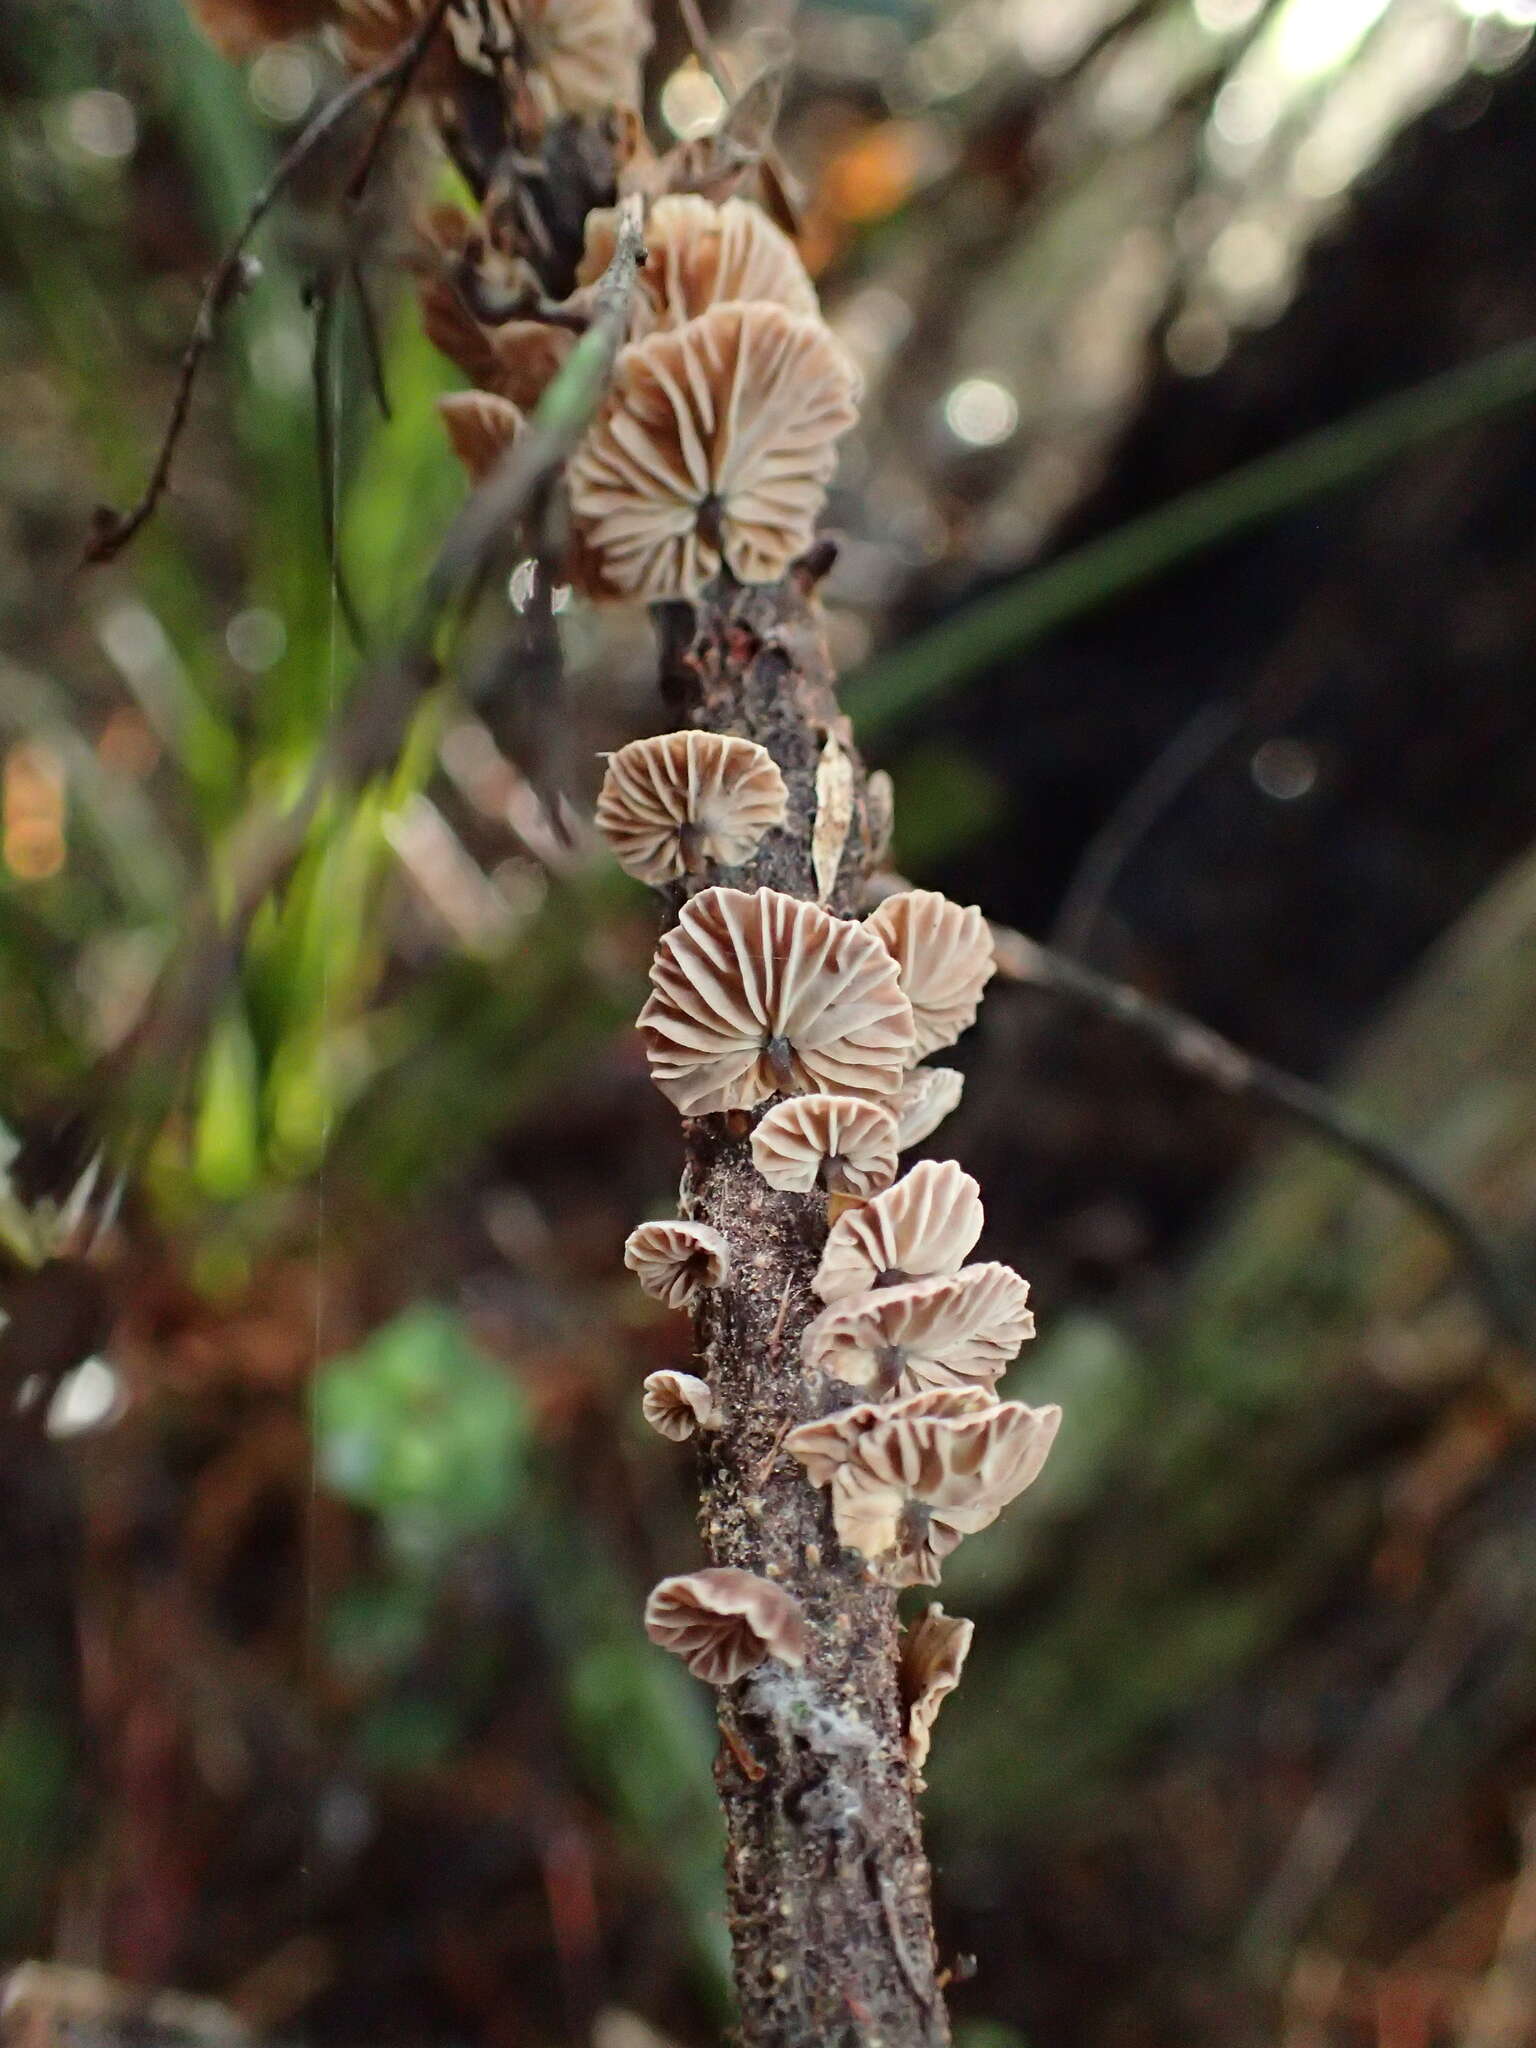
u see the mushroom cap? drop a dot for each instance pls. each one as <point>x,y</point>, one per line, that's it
<point>716,444</point>
<point>676,1404</point>
<point>585,53</point>
<point>833,1140</point>
<point>913,1485</point>
<point>481,426</point>
<point>826,1444</point>
<point>673,1259</point>
<point>924,1099</point>
<point>763,994</point>
<point>945,957</point>
<point>925,1224</point>
<point>943,1332</point>
<point>699,255</point>
<point>668,802</point>
<point>723,1623</point>
<point>933,1654</point>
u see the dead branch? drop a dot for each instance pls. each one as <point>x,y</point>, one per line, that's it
<point>1196,1049</point>
<point>112,531</point>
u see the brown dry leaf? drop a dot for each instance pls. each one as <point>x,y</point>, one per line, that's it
<point>834,814</point>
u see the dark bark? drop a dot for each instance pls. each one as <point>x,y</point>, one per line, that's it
<point>828,1884</point>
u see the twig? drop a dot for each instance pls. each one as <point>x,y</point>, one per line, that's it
<point>398,71</point>
<point>112,531</point>
<point>1194,1047</point>
<point>327,456</point>
<point>1193,747</point>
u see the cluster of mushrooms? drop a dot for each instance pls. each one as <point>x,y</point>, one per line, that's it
<point>711,453</point>
<point>812,1029</point>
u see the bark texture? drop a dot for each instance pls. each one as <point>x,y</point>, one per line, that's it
<point>827,1881</point>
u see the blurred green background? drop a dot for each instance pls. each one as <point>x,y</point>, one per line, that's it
<point>1188,590</point>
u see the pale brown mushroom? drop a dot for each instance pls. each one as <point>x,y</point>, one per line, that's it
<point>677,1404</point>
<point>482,427</point>
<point>716,445</point>
<point>830,1141</point>
<point>669,805</point>
<point>914,1484</point>
<point>926,1223</point>
<point>699,255</point>
<point>924,1099</point>
<point>763,994</point>
<point>933,1654</point>
<point>584,55</point>
<point>944,953</point>
<point>827,1442</point>
<point>724,1623</point>
<point>673,1260</point>
<point>952,1330</point>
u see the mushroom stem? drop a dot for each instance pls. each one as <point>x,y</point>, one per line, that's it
<point>781,1064</point>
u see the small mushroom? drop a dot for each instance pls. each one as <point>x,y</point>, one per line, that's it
<point>824,1445</point>
<point>925,1224</point>
<point>764,994</point>
<point>481,426</point>
<point>944,953</point>
<point>724,1623</point>
<point>699,255</point>
<point>845,1146</point>
<point>674,1260</point>
<point>583,55</point>
<point>516,359</point>
<point>914,1484</point>
<point>715,446</point>
<point>924,1099</point>
<point>669,805</point>
<point>677,1404</point>
<point>948,1331</point>
<point>933,1654</point>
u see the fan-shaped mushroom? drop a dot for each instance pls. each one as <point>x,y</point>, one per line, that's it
<point>698,256</point>
<point>933,1654</point>
<point>756,995</point>
<point>924,1099</point>
<point>723,1623</point>
<point>944,953</point>
<point>914,1483</point>
<point>843,1145</point>
<point>716,445</point>
<point>827,1442</point>
<point>481,426</point>
<point>674,1260</point>
<point>925,1224</point>
<point>670,804</point>
<point>953,1329</point>
<point>585,52</point>
<point>676,1404</point>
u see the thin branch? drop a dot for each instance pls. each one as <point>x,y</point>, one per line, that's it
<point>328,455</point>
<point>1192,749</point>
<point>112,531</point>
<point>1196,1049</point>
